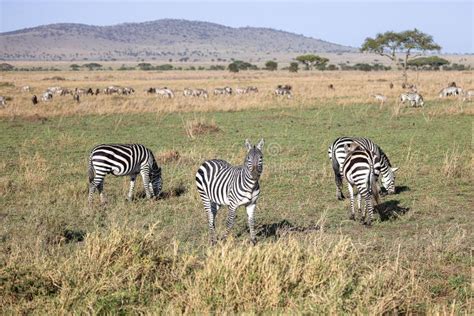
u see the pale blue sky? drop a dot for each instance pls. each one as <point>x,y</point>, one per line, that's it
<point>344,22</point>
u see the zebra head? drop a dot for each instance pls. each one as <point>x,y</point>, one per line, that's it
<point>155,179</point>
<point>388,180</point>
<point>254,159</point>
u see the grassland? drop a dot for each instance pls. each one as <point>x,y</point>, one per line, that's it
<point>59,256</point>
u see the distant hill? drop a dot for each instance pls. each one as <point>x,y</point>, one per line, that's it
<point>159,40</point>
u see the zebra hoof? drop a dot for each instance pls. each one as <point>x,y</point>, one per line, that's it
<point>253,241</point>
<point>352,217</point>
<point>368,224</point>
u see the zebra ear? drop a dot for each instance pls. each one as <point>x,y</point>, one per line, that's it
<point>260,144</point>
<point>248,145</point>
<point>395,169</point>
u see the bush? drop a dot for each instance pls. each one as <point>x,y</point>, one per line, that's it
<point>271,65</point>
<point>293,67</point>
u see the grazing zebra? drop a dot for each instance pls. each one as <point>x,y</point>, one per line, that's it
<point>66,91</point>
<point>468,95</point>
<point>48,95</point>
<point>165,92</point>
<point>223,91</point>
<point>284,90</point>
<point>415,99</point>
<point>54,90</point>
<point>361,172</point>
<point>379,97</point>
<point>112,90</point>
<point>90,91</point>
<point>200,93</point>
<point>127,91</point>
<point>220,183</point>
<point>79,91</point>
<point>450,91</point>
<point>123,160</point>
<point>151,90</point>
<point>187,92</point>
<point>97,91</point>
<point>337,154</point>
<point>252,89</point>
<point>34,99</point>
<point>241,90</point>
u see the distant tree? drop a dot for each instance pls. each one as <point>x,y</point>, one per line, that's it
<point>233,67</point>
<point>6,67</point>
<point>311,61</point>
<point>293,67</point>
<point>92,66</point>
<point>331,67</point>
<point>433,61</point>
<point>145,66</point>
<point>409,44</point>
<point>271,65</point>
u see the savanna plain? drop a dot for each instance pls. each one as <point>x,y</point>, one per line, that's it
<point>60,256</point>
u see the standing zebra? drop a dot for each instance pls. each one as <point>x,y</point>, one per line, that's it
<point>220,183</point>
<point>414,98</point>
<point>337,154</point>
<point>123,160</point>
<point>361,171</point>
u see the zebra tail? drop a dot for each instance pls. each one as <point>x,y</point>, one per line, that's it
<point>91,171</point>
<point>335,163</point>
<point>372,185</point>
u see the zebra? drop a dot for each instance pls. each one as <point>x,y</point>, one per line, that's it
<point>450,91</point>
<point>127,91</point>
<point>468,94</point>
<point>165,92</point>
<point>187,92</point>
<point>151,90</point>
<point>124,160</point>
<point>283,90</point>
<point>337,155</point>
<point>112,90</point>
<point>415,99</point>
<point>66,91</point>
<point>241,90</point>
<point>379,97</point>
<point>361,172</point>
<point>223,91</point>
<point>3,100</point>
<point>54,90</point>
<point>220,183</point>
<point>25,89</point>
<point>48,95</point>
<point>252,89</point>
<point>200,93</point>
<point>76,98</point>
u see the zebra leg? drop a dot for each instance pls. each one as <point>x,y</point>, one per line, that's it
<point>211,210</point>
<point>359,201</point>
<point>369,209</point>
<point>132,186</point>
<point>338,178</point>
<point>351,195</point>
<point>230,221</point>
<point>92,189</point>
<point>146,182</point>
<point>100,188</point>
<point>251,221</point>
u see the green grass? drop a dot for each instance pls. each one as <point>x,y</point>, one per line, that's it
<point>52,244</point>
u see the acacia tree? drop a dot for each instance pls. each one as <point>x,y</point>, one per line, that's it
<point>311,61</point>
<point>409,44</point>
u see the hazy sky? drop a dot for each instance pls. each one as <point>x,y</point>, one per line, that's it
<point>344,22</point>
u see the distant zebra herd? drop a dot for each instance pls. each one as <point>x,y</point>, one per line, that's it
<point>415,99</point>
<point>358,160</point>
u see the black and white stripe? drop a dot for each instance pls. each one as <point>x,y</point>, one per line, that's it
<point>361,172</point>
<point>123,160</point>
<point>337,155</point>
<point>220,183</point>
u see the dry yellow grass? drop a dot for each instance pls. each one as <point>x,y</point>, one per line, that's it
<point>310,88</point>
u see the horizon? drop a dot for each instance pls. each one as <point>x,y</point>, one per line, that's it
<point>299,18</point>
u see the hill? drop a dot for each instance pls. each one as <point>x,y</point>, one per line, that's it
<point>158,40</point>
